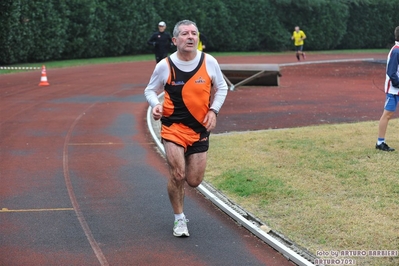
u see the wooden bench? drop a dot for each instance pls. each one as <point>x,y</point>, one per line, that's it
<point>251,74</point>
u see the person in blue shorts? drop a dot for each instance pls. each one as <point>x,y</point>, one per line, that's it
<point>392,91</point>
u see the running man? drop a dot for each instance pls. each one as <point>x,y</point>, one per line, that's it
<point>298,36</point>
<point>187,77</point>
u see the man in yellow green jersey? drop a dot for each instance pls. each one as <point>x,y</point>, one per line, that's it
<point>298,36</point>
<point>201,42</point>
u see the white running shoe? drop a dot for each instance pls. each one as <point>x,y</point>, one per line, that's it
<point>180,228</point>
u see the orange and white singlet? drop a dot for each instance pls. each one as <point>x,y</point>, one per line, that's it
<point>186,102</point>
<point>187,86</point>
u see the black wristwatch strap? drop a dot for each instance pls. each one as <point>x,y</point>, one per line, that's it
<point>216,112</point>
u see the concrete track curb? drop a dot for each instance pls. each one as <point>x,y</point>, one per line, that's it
<point>250,222</point>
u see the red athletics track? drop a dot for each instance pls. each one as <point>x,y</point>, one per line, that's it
<point>308,94</point>
<point>81,182</point>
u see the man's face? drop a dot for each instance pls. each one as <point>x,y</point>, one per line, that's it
<point>187,40</point>
<point>161,28</point>
<point>296,29</point>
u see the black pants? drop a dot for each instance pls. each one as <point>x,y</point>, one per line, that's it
<point>159,57</point>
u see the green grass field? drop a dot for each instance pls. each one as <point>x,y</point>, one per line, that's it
<point>80,62</point>
<point>324,187</point>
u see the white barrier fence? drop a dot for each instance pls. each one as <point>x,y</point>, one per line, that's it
<point>18,68</point>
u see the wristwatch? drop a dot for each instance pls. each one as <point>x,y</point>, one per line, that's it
<point>216,112</point>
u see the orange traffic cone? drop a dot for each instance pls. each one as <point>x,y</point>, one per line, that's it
<point>43,79</point>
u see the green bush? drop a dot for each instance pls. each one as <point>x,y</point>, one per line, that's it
<point>35,30</point>
<point>371,24</point>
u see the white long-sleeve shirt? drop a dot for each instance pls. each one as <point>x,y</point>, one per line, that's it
<point>161,73</point>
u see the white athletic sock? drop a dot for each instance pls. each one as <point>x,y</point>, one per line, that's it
<point>380,140</point>
<point>179,216</point>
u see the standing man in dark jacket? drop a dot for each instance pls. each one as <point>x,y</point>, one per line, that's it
<point>162,41</point>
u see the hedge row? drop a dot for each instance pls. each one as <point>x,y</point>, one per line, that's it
<point>36,30</point>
